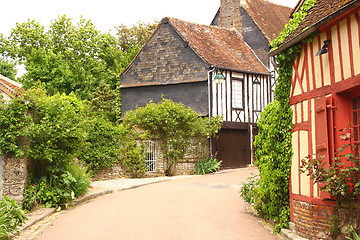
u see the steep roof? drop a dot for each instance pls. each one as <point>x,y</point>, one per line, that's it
<point>10,87</point>
<point>320,14</point>
<point>268,16</point>
<point>218,46</point>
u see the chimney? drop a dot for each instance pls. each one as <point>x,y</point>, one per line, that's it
<point>230,16</point>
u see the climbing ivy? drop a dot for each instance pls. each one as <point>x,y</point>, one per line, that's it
<point>274,150</point>
<point>293,24</point>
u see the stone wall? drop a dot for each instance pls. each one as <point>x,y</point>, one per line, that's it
<point>14,174</point>
<point>185,166</point>
<point>312,221</point>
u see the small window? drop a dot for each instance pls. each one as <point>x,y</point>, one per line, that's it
<point>237,93</point>
<point>150,155</point>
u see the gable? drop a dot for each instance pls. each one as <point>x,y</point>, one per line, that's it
<point>221,47</point>
<point>165,59</point>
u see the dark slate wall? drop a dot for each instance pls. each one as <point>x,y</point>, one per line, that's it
<point>166,58</point>
<point>255,38</point>
<point>192,95</point>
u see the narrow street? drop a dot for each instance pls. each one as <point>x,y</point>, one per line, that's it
<point>198,207</point>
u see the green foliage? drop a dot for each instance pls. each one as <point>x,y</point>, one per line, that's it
<point>106,102</point>
<point>8,68</point>
<point>133,155</point>
<point>101,148</point>
<point>136,36</point>
<point>67,57</point>
<point>13,122</point>
<point>274,150</point>
<point>176,127</point>
<point>207,166</point>
<point>353,234</point>
<point>247,190</point>
<point>294,22</point>
<point>273,159</point>
<point>11,216</point>
<point>56,132</point>
<point>58,189</point>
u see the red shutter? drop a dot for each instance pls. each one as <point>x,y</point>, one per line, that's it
<point>322,134</point>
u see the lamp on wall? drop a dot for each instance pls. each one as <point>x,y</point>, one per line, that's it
<point>324,48</point>
<point>219,78</point>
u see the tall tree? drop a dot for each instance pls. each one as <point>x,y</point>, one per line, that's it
<point>67,57</point>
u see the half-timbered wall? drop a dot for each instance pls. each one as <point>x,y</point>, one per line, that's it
<point>322,94</point>
<point>241,97</point>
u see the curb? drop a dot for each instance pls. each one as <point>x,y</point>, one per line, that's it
<point>289,234</point>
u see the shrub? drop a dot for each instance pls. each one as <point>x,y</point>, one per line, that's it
<point>59,189</point>
<point>207,166</point>
<point>11,216</point>
<point>247,190</point>
<point>101,148</point>
<point>132,153</point>
<point>176,126</point>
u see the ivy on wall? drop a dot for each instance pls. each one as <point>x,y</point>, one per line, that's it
<point>274,150</point>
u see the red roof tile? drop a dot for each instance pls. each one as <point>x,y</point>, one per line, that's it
<point>268,16</point>
<point>10,87</point>
<point>218,46</point>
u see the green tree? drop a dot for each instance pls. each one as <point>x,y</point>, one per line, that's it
<point>135,36</point>
<point>176,127</point>
<point>105,102</point>
<point>8,69</point>
<point>67,57</point>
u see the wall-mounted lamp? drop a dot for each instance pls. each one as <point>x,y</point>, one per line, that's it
<point>324,48</point>
<point>219,78</point>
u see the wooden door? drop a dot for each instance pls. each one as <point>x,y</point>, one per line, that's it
<point>232,147</point>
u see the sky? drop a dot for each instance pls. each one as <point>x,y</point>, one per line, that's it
<point>106,14</point>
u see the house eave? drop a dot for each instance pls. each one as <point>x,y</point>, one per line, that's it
<point>315,27</point>
<point>240,71</point>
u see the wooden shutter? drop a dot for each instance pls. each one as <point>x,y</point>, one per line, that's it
<point>322,135</point>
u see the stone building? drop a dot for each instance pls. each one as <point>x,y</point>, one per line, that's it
<point>325,99</point>
<point>183,61</point>
<point>13,171</point>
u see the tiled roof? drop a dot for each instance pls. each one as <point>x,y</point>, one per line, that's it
<point>10,87</point>
<point>268,16</point>
<point>322,12</point>
<point>218,46</point>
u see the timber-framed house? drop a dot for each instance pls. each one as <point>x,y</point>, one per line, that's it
<point>182,61</point>
<point>325,99</point>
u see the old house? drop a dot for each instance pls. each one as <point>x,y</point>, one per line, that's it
<point>213,70</point>
<point>12,170</point>
<point>325,99</point>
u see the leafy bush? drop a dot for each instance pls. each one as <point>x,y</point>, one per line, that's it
<point>133,159</point>
<point>176,126</point>
<point>101,147</point>
<point>247,190</point>
<point>11,216</point>
<point>59,189</point>
<point>207,166</point>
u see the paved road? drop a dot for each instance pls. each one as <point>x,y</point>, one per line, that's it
<point>200,207</point>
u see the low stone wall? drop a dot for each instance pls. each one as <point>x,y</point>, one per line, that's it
<point>14,174</point>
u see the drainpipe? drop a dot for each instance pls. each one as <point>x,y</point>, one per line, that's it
<point>211,69</point>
